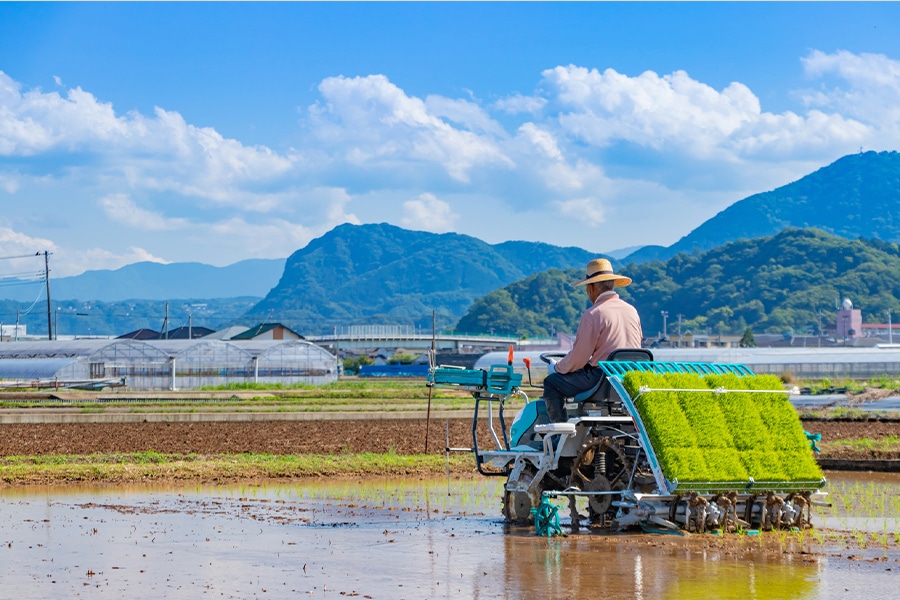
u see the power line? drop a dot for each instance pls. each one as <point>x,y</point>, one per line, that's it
<point>21,256</point>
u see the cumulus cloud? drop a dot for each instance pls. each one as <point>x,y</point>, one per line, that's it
<point>865,87</point>
<point>428,213</point>
<point>677,114</point>
<point>375,123</point>
<point>465,113</point>
<point>369,148</point>
<point>16,244</point>
<point>160,153</point>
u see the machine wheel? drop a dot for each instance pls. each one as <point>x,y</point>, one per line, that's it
<point>598,467</point>
<point>517,507</point>
<point>599,504</point>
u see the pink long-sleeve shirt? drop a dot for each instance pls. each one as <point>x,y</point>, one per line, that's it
<point>610,323</point>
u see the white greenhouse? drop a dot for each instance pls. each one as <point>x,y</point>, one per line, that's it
<point>164,364</point>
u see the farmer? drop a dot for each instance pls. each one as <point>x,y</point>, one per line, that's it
<point>610,323</point>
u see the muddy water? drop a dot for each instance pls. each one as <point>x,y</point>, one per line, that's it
<point>410,539</point>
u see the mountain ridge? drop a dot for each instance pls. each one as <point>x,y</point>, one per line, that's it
<point>856,195</point>
<point>382,273</point>
<point>788,282</point>
<point>157,281</point>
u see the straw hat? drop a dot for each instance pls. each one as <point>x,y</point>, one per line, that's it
<point>600,269</point>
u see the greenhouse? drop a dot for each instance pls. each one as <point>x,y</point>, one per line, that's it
<point>163,364</point>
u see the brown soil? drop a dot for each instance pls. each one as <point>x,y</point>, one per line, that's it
<point>833,431</point>
<point>320,437</point>
<point>272,437</point>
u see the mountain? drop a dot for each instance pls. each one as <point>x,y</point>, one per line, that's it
<point>790,281</point>
<point>857,195</point>
<point>155,281</point>
<point>380,273</point>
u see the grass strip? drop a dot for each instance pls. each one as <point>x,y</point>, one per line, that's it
<point>152,466</point>
<point>890,443</point>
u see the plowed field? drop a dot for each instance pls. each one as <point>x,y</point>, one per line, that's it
<point>405,436</point>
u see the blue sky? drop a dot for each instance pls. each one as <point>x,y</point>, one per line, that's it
<point>215,132</point>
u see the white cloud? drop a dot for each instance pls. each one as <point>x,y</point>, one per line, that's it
<point>677,114</point>
<point>866,88</point>
<point>75,262</point>
<point>16,244</point>
<point>274,238</point>
<point>428,213</point>
<point>369,149</point>
<point>374,123</point>
<point>541,141</point>
<point>9,183</point>
<point>518,104</point>
<point>163,153</point>
<point>588,210</point>
<point>121,209</point>
<point>465,113</point>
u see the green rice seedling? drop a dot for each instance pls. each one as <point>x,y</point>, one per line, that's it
<point>818,535</point>
<point>722,437</point>
<point>800,466</point>
<point>726,464</point>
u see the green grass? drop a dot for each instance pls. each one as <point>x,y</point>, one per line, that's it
<point>344,395</point>
<point>707,437</point>
<point>149,466</point>
<point>890,443</point>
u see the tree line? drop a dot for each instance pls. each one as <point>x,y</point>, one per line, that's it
<point>793,281</point>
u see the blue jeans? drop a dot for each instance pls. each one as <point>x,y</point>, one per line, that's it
<point>559,386</point>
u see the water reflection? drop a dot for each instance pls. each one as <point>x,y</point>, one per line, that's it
<point>391,539</point>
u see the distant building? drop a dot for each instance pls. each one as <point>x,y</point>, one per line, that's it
<point>269,331</point>
<point>181,333</point>
<point>141,334</point>
<point>11,332</point>
<point>884,330</point>
<point>227,333</point>
<point>848,322</point>
<point>189,333</point>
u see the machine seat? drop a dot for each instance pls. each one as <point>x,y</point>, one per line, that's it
<point>625,354</point>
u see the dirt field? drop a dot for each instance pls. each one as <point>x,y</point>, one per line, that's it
<point>320,437</point>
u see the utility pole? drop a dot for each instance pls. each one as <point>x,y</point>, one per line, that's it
<point>890,329</point>
<point>665,315</point>
<point>47,279</point>
<point>819,327</point>
<point>679,329</point>
<point>166,322</point>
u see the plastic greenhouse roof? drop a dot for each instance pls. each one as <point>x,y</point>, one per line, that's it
<point>48,349</point>
<point>29,369</point>
<point>52,348</point>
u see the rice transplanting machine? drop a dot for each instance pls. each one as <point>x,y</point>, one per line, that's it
<point>665,446</point>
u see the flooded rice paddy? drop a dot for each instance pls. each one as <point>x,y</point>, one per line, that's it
<point>379,538</point>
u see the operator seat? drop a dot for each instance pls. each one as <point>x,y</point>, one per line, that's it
<point>600,392</point>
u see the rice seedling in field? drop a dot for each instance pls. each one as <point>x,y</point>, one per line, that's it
<point>702,434</point>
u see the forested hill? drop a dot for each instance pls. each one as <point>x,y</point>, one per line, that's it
<point>857,195</point>
<point>771,284</point>
<point>368,274</point>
